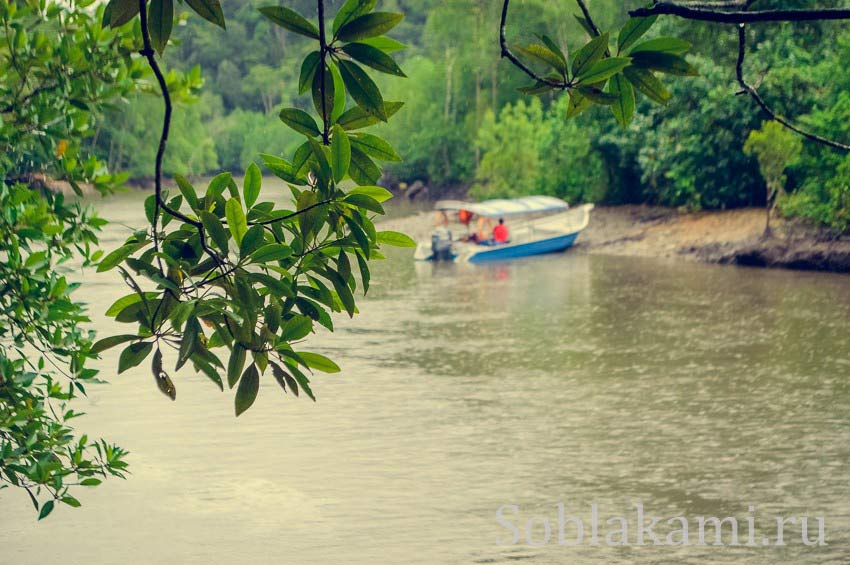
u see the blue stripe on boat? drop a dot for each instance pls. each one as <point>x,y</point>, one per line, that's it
<point>523,250</point>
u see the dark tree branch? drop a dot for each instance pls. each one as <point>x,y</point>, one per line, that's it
<point>589,19</point>
<point>293,214</point>
<point>583,7</point>
<point>39,90</point>
<point>508,54</point>
<point>692,11</point>
<point>323,51</point>
<point>149,54</point>
<point>753,93</point>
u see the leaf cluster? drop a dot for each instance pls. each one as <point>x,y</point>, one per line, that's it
<point>602,75</point>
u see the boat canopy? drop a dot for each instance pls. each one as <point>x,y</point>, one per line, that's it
<point>501,207</point>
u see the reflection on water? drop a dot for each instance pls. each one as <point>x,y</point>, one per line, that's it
<point>696,390</point>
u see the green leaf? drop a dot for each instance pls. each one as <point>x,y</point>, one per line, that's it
<point>319,362</point>
<point>340,153</point>
<point>216,187</point>
<point>664,62</point>
<point>300,121</point>
<point>253,239</point>
<point>249,386</point>
<point>295,328</point>
<point>291,20</point>
<point>632,31</point>
<point>648,84</point>
<point>672,45</point>
<point>373,57</point>
<point>538,87</point>
<point>544,55</point>
<point>597,96</point>
<point>357,118</point>
<point>324,105</point>
<point>46,509</point>
<point>368,25</point>
<point>303,381</point>
<point>251,185</point>
<point>211,372</point>
<point>163,381</point>
<point>187,190</point>
<point>342,290</point>
<point>90,482</point>
<point>150,208</point>
<point>364,91</point>
<point>128,300</point>
<point>365,275</point>
<point>351,10</point>
<point>339,92</point>
<point>589,54</point>
<point>271,252</point>
<point>161,18</point>
<point>385,44</point>
<point>378,193</point>
<point>603,70</point>
<point>308,69</point>
<point>215,229</point>
<point>116,257</point>
<point>112,341</point>
<point>133,355</point>
<point>284,379</point>
<point>71,501</point>
<point>359,235</point>
<point>190,342</point>
<point>395,239</point>
<point>374,146</point>
<point>322,155</point>
<point>119,12</point>
<point>555,49</point>
<point>236,220</point>
<point>624,108</point>
<point>235,365</point>
<point>364,201</point>
<point>283,169</point>
<point>362,169</point>
<point>210,10</point>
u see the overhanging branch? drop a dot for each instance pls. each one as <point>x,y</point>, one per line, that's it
<point>509,55</point>
<point>747,88</point>
<point>693,12</point>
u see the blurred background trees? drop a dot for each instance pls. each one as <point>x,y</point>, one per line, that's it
<point>464,121</point>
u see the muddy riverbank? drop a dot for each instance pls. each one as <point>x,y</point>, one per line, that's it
<point>728,237</point>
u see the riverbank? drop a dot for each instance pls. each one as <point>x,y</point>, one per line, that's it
<point>726,237</point>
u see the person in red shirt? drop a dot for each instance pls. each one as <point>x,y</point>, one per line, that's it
<point>500,232</point>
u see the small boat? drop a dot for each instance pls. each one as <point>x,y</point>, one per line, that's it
<point>537,224</point>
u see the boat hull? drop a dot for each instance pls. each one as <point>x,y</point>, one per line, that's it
<point>544,235</point>
<point>552,245</point>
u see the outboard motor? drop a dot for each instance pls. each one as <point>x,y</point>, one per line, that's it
<point>441,245</point>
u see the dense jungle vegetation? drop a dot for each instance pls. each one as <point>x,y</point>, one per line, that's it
<point>465,123</point>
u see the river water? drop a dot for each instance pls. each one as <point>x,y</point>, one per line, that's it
<point>584,380</point>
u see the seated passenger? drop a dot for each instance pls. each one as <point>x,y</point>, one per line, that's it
<point>500,232</point>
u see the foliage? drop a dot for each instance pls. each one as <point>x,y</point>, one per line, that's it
<point>688,151</point>
<point>826,203</point>
<point>43,350</point>
<point>601,74</point>
<point>58,68</point>
<point>776,148</point>
<point>435,146</point>
<point>228,271</point>
<point>45,110</point>
<point>557,157</point>
<point>132,143</point>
